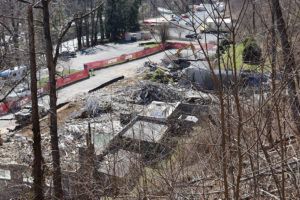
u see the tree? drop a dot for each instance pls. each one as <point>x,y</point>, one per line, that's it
<point>112,19</point>
<point>51,65</point>
<point>291,72</point>
<point>101,24</point>
<point>58,192</point>
<point>38,157</point>
<point>132,17</point>
<point>163,32</point>
<point>121,11</point>
<point>252,52</point>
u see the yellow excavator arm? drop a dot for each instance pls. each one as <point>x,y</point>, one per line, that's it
<point>185,47</point>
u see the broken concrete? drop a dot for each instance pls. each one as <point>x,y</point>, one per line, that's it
<point>13,181</point>
<point>149,131</point>
<point>159,109</point>
<point>119,163</point>
<point>120,168</point>
<point>155,92</point>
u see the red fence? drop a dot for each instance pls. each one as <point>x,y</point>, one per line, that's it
<point>63,81</point>
<point>143,53</point>
<point>72,78</point>
<point>6,107</point>
<point>124,58</point>
<point>175,45</point>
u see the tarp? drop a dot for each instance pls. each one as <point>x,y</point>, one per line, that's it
<point>4,74</point>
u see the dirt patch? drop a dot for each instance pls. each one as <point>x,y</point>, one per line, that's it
<point>63,114</point>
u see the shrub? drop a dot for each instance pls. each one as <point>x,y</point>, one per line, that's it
<point>224,45</point>
<point>158,76</point>
<point>252,52</point>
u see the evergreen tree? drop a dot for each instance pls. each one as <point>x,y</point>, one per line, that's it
<point>121,16</point>
<point>112,20</point>
<point>132,20</point>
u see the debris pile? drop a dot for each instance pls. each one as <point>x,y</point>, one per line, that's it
<point>15,149</point>
<point>93,108</point>
<point>158,76</point>
<point>155,92</point>
<point>23,117</point>
<point>107,110</point>
<point>173,63</point>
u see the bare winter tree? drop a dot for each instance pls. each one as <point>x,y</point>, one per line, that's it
<point>38,157</point>
<point>163,32</point>
<point>51,65</point>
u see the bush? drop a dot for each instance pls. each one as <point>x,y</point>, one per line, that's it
<point>224,45</point>
<point>158,76</point>
<point>252,52</point>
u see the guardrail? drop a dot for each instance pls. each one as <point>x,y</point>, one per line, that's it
<point>72,78</point>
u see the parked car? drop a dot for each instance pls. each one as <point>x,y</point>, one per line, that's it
<point>193,36</point>
<point>188,24</point>
<point>184,16</point>
<point>176,19</point>
<point>67,54</point>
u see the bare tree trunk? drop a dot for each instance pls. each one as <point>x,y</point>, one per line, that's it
<point>87,31</point>
<point>79,33</point>
<point>253,16</point>
<point>290,71</point>
<point>101,23</point>
<point>94,25</point>
<point>53,112</point>
<point>15,37</point>
<point>37,150</point>
<point>93,29</point>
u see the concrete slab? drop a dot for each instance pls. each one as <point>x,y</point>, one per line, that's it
<point>144,130</point>
<point>159,109</point>
<point>120,163</point>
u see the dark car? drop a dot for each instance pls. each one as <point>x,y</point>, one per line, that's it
<point>176,19</point>
<point>193,36</point>
<point>68,54</point>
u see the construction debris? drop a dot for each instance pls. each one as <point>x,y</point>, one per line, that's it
<point>92,108</point>
<point>23,117</point>
<point>155,92</point>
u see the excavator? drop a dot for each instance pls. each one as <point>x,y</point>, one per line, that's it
<point>186,47</point>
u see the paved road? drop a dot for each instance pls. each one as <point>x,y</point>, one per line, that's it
<point>68,93</point>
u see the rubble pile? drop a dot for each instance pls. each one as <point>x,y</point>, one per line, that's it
<point>93,108</point>
<point>15,149</point>
<point>155,92</point>
<point>104,110</point>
